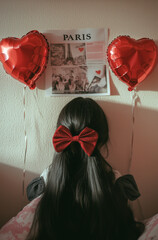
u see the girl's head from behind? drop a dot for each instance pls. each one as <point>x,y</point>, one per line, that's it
<point>85,112</point>
<point>79,201</point>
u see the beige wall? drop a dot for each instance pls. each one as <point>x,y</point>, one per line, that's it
<point>137,18</point>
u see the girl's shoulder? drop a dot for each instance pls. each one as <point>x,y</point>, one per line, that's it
<point>127,185</point>
<point>37,186</point>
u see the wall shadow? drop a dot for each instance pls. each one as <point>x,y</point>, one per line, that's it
<point>12,199</point>
<point>144,165</point>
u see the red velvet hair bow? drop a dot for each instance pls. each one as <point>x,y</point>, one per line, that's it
<point>63,138</point>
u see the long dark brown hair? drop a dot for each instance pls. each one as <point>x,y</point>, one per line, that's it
<point>80,200</point>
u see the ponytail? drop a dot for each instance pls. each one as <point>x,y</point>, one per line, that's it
<point>76,183</point>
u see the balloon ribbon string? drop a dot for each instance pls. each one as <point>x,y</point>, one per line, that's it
<point>134,97</point>
<point>24,163</point>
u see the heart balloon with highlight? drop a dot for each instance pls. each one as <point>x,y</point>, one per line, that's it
<point>25,58</point>
<point>132,60</point>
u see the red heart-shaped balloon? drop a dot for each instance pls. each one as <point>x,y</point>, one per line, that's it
<point>25,59</point>
<point>132,60</point>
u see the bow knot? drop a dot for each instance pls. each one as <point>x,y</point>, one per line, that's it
<point>63,138</point>
<point>75,138</point>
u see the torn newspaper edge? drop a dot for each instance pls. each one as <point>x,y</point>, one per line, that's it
<point>77,62</point>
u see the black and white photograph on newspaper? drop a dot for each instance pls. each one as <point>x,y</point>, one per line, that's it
<point>77,62</point>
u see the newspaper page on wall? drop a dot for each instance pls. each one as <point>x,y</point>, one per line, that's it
<point>77,62</point>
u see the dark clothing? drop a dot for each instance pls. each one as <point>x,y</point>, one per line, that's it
<point>35,188</point>
<point>126,184</point>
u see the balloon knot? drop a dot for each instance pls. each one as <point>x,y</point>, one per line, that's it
<point>130,89</point>
<point>32,86</point>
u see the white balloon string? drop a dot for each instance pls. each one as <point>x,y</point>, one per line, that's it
<point>134,97</point>
<point>25,134</point>
<point>140,210</point>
